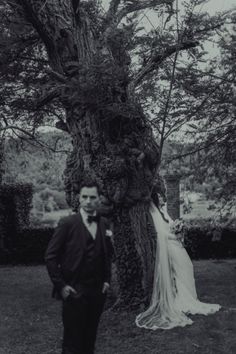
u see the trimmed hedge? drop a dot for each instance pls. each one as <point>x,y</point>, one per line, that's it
<point>201,243</point>
<point>29,247</point>
<point>15,204</point>
<point>19,197</point>
<point>206,242</point>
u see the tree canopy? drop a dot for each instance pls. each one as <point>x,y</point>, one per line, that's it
<point>35,81</point>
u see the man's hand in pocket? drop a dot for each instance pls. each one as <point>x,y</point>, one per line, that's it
<point>105,288</point>
<point>66,291</point>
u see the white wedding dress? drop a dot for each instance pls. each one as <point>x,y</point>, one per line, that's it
<point>174,292</point>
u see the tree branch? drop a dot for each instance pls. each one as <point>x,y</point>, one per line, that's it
<point>47,98</point>
<point>111,15</point>
<point>167,105</point>
<point>32,16</point>
<point>113,8</point>
<point>15,127</point>
<point>32,137</point>
<point>157,60</point>
<point>176,127</point>
<point>75,4</point>
<point>34,20</point>
<point>210,145</point>
<point>137,5</point>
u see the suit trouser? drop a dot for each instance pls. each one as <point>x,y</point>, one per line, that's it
<point>80,320</point>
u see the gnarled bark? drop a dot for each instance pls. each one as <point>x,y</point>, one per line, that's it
<point>112,141</point>
<point>123,157</point>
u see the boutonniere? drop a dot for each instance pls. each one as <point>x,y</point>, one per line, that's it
<point>109,233</point>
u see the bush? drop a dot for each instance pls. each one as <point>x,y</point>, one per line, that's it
<point>49,200</point>
<point>29,247</point>
<point>17,198</point>
<point>60,199</point>
<point>15,204</point>
<point>204,240</point>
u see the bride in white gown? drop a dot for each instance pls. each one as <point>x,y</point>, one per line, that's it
<point>174,293</point>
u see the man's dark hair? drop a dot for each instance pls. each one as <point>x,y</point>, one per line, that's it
<point>89,184</point>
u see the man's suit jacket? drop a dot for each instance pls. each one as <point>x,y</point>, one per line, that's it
<point>66,249</point>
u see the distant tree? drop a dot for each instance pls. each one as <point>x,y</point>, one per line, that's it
<point>36,163</point>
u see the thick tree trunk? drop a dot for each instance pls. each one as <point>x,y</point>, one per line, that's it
<point>112,141</point>
<point>114,145</point>
<point>123,159</point>
<point>135,245</point>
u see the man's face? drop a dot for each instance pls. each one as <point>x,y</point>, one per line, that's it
<point>89,199</point>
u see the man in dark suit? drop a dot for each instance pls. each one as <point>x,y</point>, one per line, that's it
<point>79,264</point>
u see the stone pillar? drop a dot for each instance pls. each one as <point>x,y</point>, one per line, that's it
<point>173,195</point>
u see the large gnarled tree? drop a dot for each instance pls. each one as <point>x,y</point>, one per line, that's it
<point>81,54</point>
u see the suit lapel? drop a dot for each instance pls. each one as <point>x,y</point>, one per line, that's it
<point>80,230</point>
<point>102,228</point>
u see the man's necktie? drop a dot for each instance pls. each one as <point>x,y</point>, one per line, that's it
<point>92,218</point>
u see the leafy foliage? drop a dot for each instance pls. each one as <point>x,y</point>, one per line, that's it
<point>203,240</point>
<point>192,98</point>
<point>37,164</point>
<point>29,246</point>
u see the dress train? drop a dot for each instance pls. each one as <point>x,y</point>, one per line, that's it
<point>174,292</point>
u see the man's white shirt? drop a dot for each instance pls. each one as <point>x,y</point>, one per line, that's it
<point>91,227</point>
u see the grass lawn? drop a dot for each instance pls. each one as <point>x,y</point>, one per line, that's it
<point>30,319</point>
